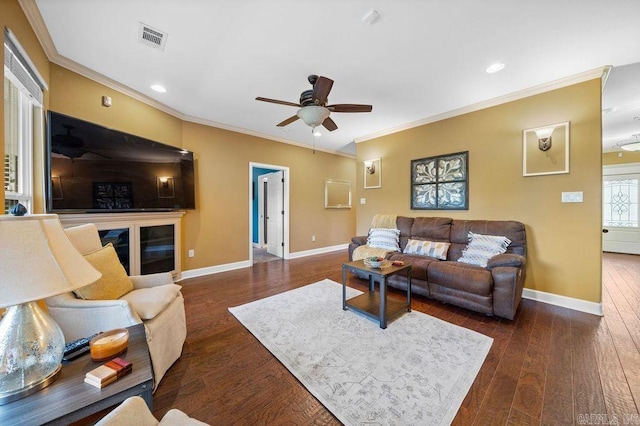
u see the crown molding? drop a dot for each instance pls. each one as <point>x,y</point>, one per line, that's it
<point>601,72</point>
<point>31,11</point>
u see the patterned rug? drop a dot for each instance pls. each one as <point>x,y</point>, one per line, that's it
<point>416,372</point>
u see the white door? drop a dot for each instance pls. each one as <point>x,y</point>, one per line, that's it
<point>275,213</point>
<point>620,231</point>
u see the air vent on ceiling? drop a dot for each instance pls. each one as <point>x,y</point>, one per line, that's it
<point>152,37</point>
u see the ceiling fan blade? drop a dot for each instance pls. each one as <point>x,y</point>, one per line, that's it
<point>275,101</point>
<point>329,124</point>
<point>349,108</point>
<point>321,90</point>
<point>288,121</point>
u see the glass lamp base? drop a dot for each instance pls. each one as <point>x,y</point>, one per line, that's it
<point>31,348</point>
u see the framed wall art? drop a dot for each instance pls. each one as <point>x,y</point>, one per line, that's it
<point>545,150</point>
<point>441,182</point>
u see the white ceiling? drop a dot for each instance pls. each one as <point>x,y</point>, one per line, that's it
<point>421,59</point>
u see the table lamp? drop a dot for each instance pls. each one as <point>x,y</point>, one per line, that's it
<point>37,261</point>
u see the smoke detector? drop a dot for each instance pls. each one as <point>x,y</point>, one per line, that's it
<point>152,37</point>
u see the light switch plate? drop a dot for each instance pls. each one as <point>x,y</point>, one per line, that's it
<point>572,197</point>
<point>363,201</point>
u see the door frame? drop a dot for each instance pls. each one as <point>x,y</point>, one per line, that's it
<point>285,195</point>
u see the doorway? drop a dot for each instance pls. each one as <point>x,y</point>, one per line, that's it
<point>269,212</point>
<point>620,230</point>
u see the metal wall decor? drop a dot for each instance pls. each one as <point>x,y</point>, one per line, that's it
<point>441,182</point>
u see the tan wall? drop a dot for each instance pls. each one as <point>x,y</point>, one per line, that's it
<point>219,230</point>
<point>564,240</point>
<point>12,17</point>
<point>610,158</point>
<point>80,97</point>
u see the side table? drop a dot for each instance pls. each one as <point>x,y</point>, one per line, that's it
<point>69,399</point>
<point>372,304</point>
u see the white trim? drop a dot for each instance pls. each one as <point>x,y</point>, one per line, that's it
<point>320,250</point>
<point>521,94</point>
<point>32,67</point>
<point>564,301</point>
<point>192,273</point>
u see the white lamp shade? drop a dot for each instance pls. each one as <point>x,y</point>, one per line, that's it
<point>545,132</point>
<point>313,115</point>
<point>37,260</point>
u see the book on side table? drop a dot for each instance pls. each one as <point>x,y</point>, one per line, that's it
<point>108,372</point>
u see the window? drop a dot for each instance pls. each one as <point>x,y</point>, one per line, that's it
<point>620,202</point>
<point>22,111</point>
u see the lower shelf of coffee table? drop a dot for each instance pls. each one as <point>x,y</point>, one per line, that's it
<point>369,305</point>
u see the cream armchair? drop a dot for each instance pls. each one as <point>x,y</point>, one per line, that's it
<point>155,301</point>
<point>134,412</point>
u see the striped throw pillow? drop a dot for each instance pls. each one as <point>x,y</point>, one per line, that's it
<point>481,248</point>
<point>435,249</point>
<point>384,238</point>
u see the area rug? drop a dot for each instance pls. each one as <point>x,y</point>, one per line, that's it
<point>416,372</point>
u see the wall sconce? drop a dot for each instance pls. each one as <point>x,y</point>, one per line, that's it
<point>164,181</point>
<point>373,173</point>
<point>370,166</point>
<point>544,138</point>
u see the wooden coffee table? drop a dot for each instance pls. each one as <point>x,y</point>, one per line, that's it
<point>375,304</point>
<point>69,399</point>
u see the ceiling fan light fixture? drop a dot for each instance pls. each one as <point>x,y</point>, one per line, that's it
<point>630,144</point>
<point>633,146</point>
<point>313,115</point>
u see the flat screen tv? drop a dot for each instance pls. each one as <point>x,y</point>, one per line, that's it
<point>93,169</point>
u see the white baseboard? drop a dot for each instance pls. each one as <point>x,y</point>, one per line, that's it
<point>564,301</point>
<point>215,269</point>
<point>321,250</point>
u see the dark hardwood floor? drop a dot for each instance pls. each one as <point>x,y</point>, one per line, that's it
<point>548,366</point>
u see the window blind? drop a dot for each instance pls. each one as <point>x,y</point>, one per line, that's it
<point>17,61</point>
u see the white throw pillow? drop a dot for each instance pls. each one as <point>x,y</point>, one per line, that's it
<point>481,248</point>
<point>384,238</point>
<point>435,249</point>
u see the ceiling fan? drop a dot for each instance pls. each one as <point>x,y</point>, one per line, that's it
<point>69,145</point>
<point>314,110</point>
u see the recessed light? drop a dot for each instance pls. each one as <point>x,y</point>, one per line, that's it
<point>158,88</point>
<point>494,67</point>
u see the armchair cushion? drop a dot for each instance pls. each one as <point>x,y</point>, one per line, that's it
<point>149,302</point>
<point>114,282</point>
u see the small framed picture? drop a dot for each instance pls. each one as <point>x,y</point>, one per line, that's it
<point>545,150</point>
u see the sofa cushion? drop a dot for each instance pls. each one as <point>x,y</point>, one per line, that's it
<point>384,238</point>
<point>114,282</point>
<point>461,276</point>
<point>481,248</point>
<point>427,248</point>
<point>149,302</point>
<point>418,264</point>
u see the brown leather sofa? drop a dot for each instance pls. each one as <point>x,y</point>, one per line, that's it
<point>494,290</point>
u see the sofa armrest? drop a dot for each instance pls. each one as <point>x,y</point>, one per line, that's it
<point>360,240</point>
<point>151,280</point>
<point>79,318</point>
<point>507,259</point>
